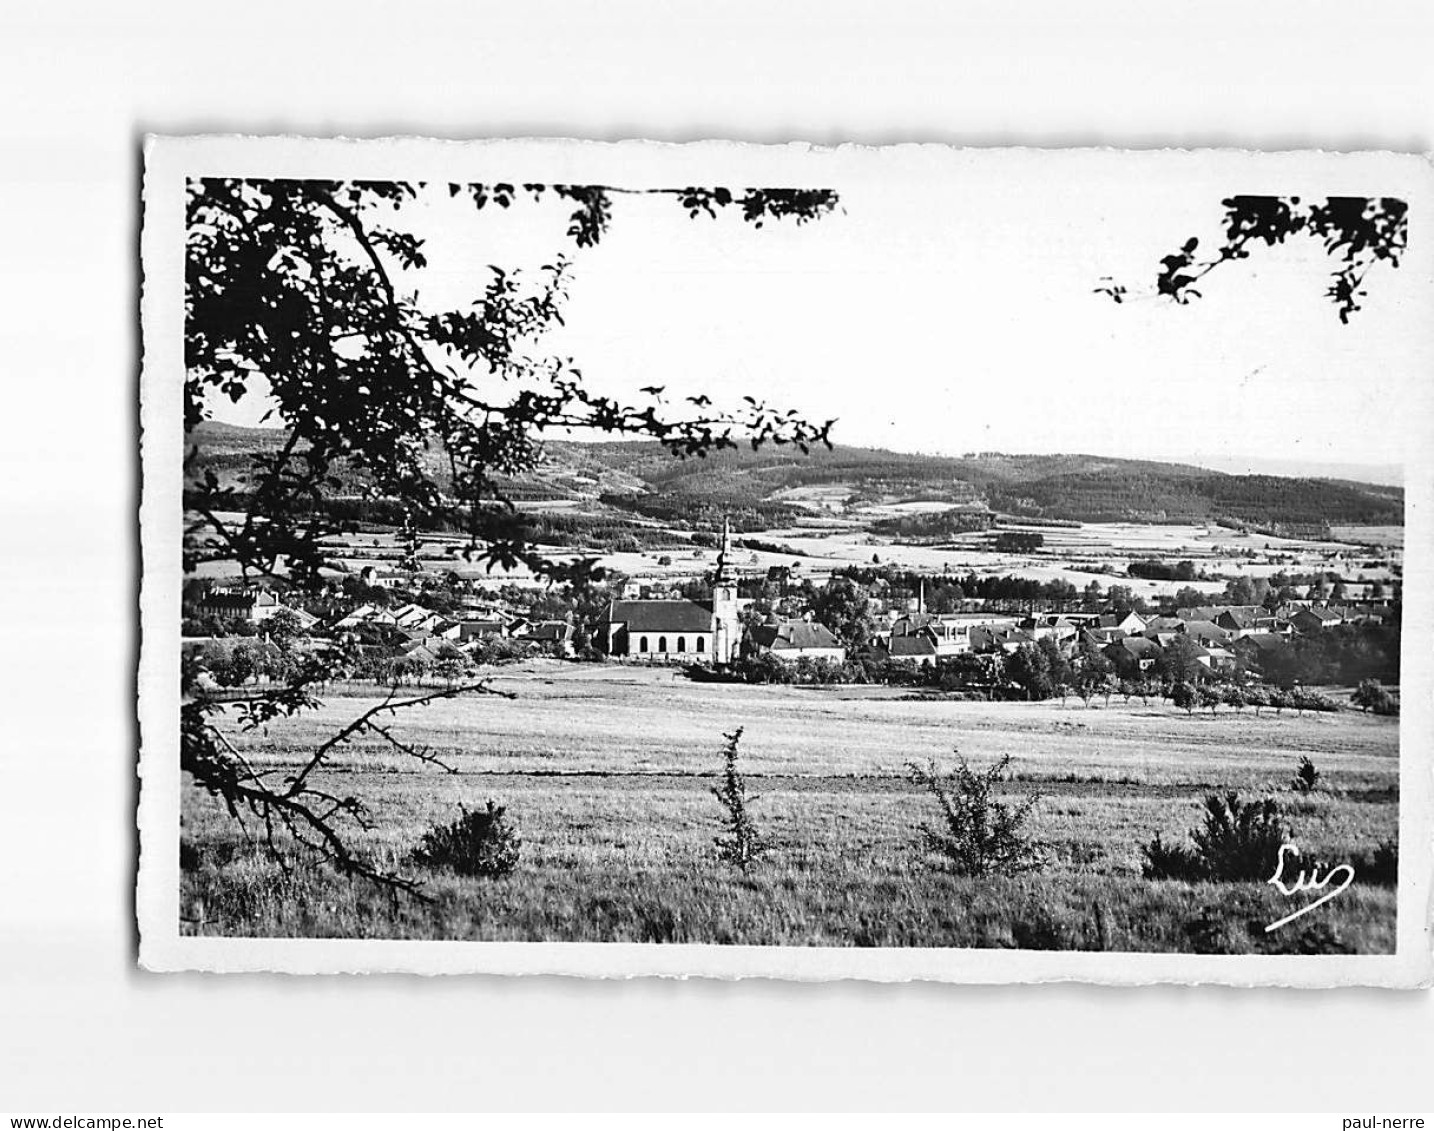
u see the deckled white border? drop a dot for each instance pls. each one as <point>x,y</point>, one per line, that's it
<point>170,161</point>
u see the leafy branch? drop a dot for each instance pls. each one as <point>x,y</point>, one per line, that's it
<point>313,817</point>
<point>1355,231</point>
<point>300,290</point>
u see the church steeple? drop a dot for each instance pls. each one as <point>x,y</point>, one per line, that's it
<point>724,552</point>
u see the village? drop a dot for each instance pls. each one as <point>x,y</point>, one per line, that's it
<point>422,625</point>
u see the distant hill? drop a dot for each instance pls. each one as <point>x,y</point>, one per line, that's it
<point>642,476</point>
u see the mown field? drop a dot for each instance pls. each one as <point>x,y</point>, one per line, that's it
<point>608,772</point>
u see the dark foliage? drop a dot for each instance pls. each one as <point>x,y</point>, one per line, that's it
<point>1380,867</point>
<point>1307,777</point>
<point>481,842</point>
<point>1356,232</point>
<point>1371,695</point>
<point>741,844</point>
<point>978,834</point>
<point>1238,842</point>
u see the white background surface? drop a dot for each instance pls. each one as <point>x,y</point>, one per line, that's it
<point>82,1029</point>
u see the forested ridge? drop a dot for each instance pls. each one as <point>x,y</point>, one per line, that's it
<point>642,477</point>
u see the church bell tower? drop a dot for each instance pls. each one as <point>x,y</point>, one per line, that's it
<point>726,629</point>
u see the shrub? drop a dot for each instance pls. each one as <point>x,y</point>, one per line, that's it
<point>1240,841</point>
<point>742,844</point>
<point>482,842</point>
<point>1371,695</point>
<point>1306,779</point>
<point>1313,701</point>
<point>979,835</point>
<point>1184,697</point>
<point>1381,867</point>
<point>1172,862</point>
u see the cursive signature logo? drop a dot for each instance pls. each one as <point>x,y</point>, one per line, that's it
<point>1310,882</point>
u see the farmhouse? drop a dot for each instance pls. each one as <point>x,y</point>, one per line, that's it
<point>1133,655</point>
<point>1315,619</point>
<point>386,578</point>
<point>1208,633</point>
<point>1251,648</point>
<point>364,614</point>
<point>256,605</point>
<point>1128,623</point>
<point>793,639</point>
<point>553,636</point>
<point>479,629</point>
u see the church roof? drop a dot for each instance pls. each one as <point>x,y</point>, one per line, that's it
<point>661,616</point>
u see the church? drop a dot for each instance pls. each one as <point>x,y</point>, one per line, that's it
<point>706,631</point>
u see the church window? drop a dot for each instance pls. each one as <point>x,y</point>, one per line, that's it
<point>662,644</point>
<point>682,643</point>
<point>642,644</point>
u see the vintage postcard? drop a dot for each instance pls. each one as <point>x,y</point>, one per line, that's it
<point>726,560</point>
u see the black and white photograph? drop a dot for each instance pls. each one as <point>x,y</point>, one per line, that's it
<point>956,560</point>
<point>658,558</point>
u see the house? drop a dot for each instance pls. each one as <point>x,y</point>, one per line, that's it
<point>553,636</point>
<point>1128,623</point>
<point>1217,657</point>
<point>919,648</point>
<point>950,633</point>
<point>364,614</point>
<point>1315,619</point>
<point>387,579</point>
<point>255,605</point>
<point>1005,640</point>
<point>431,651</point>
<point>794,639</point>
<point>1258,646</point>
<point>411,615</point>
<point>1049,627</point>
<point>1157,625</point>
<point>1208,633</point>
<point>480,629</point>
<point>1133,655</point>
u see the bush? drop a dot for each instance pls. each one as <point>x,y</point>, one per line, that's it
<point>482,842</point>
<point>1381,867</point>
<point>1240,841</point>
<point>742,844</point>
<point>1371,695</point>
<point>1172,862</point>
<point>981,836</point>
<point>1306,779</point>
<point>1312,701</point>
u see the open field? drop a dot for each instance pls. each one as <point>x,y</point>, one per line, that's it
<point>1079,553</point>
<point>607,770</point>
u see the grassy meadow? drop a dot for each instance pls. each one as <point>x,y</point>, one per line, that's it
<point>608,772</point>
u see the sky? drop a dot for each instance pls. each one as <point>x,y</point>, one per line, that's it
<point>954,310</point>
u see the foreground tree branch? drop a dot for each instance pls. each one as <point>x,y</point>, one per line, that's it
<point>311,293</point>
<point>1357,232</point>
